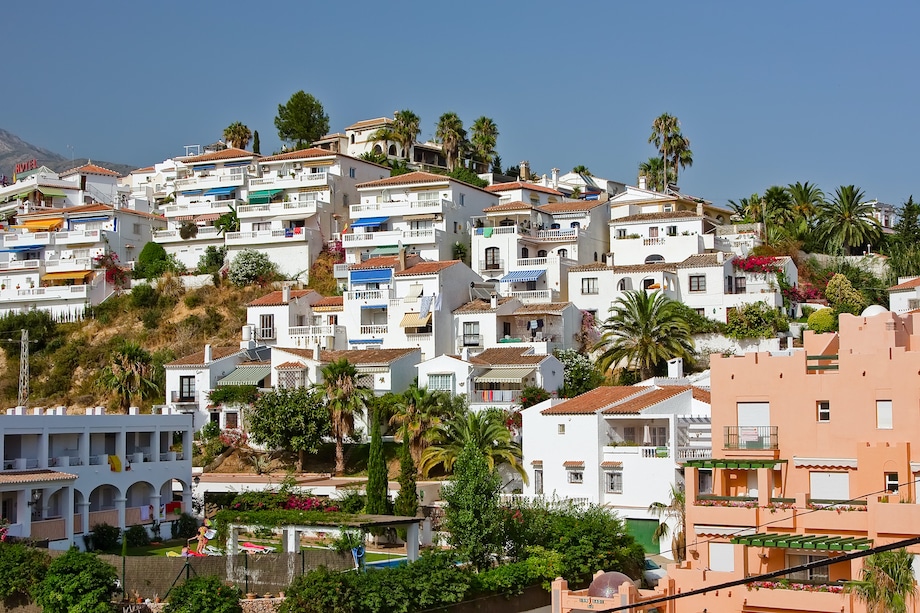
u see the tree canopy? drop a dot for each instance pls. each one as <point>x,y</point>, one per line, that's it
<point>293,419</point>
<point>237,135</point>
<point>302,120</point>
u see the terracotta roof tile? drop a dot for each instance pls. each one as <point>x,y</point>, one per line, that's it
<point>656,216</point>
<point>507,187</point>
<point>359,357</point>
<point>704,260</point>
<point>570,206</point>
<point>574,464</point>
<point>427,268</point>
<point>507,356</point>
<point>637,404</point>
<point>197,358</point>
<point>541,308</point>
<point>701,394</point>
<point>330,301</point>
<point>254,363</point>
<point>224,154</point>
<point>481,305</point>
<point>409,178</point>
<point>276,298</point>
<point>385,261</point>
<point>143,170</point>
<point>300,154</point>
<point>517,205</point>
<point>611,464</point>
<point>291,366</point>
<point>911,284</point>
<point>33,476</point>
<point>90,169</point>
<point>536,462</point>
<point>594,400</point>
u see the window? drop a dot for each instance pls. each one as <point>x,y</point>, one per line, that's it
<point>659,436</point>
<point>471,337</point>
<point>621,232</point>
<point>563,253</point>
<point>818,574</point>
<point>589,285</point>
<point>672,230</point>
<point>187,388</point>
<point>621,286</point>
<point>913,303</point>
<point>740,285</point>
<point>833,486</point>
<point>560,429</point>
<point>824,410</point>
<point>629,434</point>
<point>705,480</point>
<point>136,229</point>
<point>575,224</point>
<point>541,253</point>
<point>883,415</point>
<point>231,420</point>
<point>462,200</point>
<point>455,227</point>
<point>722,557</point>
<point>441,382</point>
<point>891,482</point>
<point>266,326</point>
<point>700,312</point>
<point>697,283</point>
<point>493,262</point>
<point>653,232</point>
<point>351,173</point>
<point>538,481</point>
<point>615,481</point>
<point>647,283</point>
<point>525,253</point>
<point>729,285</point>
<point>576,476</point>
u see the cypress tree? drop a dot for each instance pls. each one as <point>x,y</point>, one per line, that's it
<point>376,472</point>
<point>407,499</point>
<point>255,143</point>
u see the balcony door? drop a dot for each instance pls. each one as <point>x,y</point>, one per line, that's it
<point>754,425</point>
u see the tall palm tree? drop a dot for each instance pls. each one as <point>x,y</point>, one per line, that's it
<point>346,399</point>
<point>237,135</point>
<point>681,155</point>
<point>450,133</point>
<point>582,170</point>
<point>483,140</point>
<point>887,583</point>
<point>486,429</point>
<point>417,411</point>
<point>674,509</point>
<point>806,198</point>
<point>673,146</point>
<point>130,374</point>
<point>653,170</point>
<point>228,222</point>
<point>405,129</point>
<point>747,210</point>
<point>643,330</point>
<point>386,134</point>
<point>846,222</point>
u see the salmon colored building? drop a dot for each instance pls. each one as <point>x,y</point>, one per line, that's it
<point>815,455</point>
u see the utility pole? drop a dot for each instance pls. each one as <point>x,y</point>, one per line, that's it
<point>23,368</point>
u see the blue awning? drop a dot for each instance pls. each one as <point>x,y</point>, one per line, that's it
<point>192,192</point>
<point>235,164</point>
<point>89,219</point>
<point>204,167</point>
<point>220,191</point>
<point>366,341</point>
<point>369,221</point>
<point>520,276</point>
<point>21,248</point>
<point>373,306</point>
<point>379,275</point>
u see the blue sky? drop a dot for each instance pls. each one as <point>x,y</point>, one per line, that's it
<point>768,93</point>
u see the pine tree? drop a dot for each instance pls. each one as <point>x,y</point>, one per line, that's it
<point>376,472</point>
<point>407,499</point>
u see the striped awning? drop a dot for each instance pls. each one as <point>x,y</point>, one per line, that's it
<point>246,375</point>
<point>521,276</point>
<point>207,217</point>
<point>414,320</point>
<point>504,375</point>
<point>805,541</point>
<point>52,191</point>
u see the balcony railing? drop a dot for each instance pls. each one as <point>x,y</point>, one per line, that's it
<point>471,340</point>
<point>821,363</point>
<point>373,329</point>
<point>184,398</point>
<point>751,437</point>
<point>371,295</point>
<point>263,334</point>
<point>496,265</point>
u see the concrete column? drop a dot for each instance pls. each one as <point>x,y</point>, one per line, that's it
<point>2,449</point>
<point>67,512</point>
<point>426,532</point>
<point>155,503</point>
<point>187,497</point>
<point>84,516</point>
<point>559,586</point>
<point>155,445</point>
<point>24,510</point>
<point>412,542</point>
<point>691,485</point>
<point>764,486</point>
<point>233,541</point>
<point>43,449</point>
<point>121,447</point>
<point>84,448</point>
<point>120,507</point>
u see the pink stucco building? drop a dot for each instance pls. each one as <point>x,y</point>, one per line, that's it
<point>815,455</point>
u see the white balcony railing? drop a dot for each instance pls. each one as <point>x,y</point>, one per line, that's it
<point>538,296</point>
<point>381,295</point>
<point>296,179</point>
<point>373,330</point>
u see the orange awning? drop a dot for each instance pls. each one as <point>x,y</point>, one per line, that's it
<point>71,274</point>
<point>41,225</point>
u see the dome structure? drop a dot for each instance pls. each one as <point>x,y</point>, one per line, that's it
<point>873,309</point>
<point>607,585</point>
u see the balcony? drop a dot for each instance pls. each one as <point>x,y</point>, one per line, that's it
<point>38,294</point>
<point>172,236</point>
<point>262,237</point>
<point>78,237</point>
<point>640,451</point>
<point>778,598</point>
<point>183,398</point>
<point>400,207</point>
<point>68,265</point>
<point>538,296</point>
<point>199,208</point>
<point>373,330</point>
<point>13,239</point>
<point>20,265</point>
<point>265,334</point>
<point>492,266</point>
<point>751,438</point>
<point>489,396</point>
<point>293,208</point>
<point>555,235</point>
<point>391,237</point>
<point>726,510</point>
<point>290,181</point>
<point>495,231</point>
<point>211,179</point>
<point>376,296</point>
<point>820,364</point>
<point>470,340</point>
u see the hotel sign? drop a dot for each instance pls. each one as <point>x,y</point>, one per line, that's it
<point>26,166</point>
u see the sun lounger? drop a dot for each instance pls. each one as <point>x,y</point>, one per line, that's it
<point>253,548</point>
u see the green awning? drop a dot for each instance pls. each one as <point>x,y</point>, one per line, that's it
<point>246,375</point>
<point>805,541</point>
<point>732,463</point>
<point>52,191</point>
<point>385,250</point>
<point>263,197</point>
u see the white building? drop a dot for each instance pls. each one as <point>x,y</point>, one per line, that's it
<point>595,287</point>
<point>381,370</point>
<point>620,447</point>
<point>905,296</point>
<point>64,474</point>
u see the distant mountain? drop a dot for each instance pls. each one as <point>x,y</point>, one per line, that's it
<point>14,150</point>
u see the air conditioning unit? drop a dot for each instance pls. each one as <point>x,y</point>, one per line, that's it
<point>252,168</point>
<point>297,165</point>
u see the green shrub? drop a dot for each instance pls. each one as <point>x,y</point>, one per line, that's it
<point>185,527</point>
<point>212,259</point>
<point>42,330</point>
<point>151,318</point>
<point>144,296</point>
<point>823,320</point>
<point>193,299</point>
<point>151,262</point>
<point>76,582</point>
<point>21,568</point>
<point>322,591</point>
<point>204,595</point>
<point>755,320</point>
<point>136,536</point>
<point>106,537</point>
<point>210,430</point>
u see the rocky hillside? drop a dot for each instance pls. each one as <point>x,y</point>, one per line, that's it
<point>13,150</point>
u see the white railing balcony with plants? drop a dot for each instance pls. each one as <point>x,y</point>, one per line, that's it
<point>371,295</point>
<point>495,230</point>
<point>558,234</point>
<point>67,265</point>
<point>62,292</point>
<point>169,236</point>
<point>200,207</point>
<point>307,207</point>
<point>289,180</point>
<point>399,207</point>
<point>327,330</point>
<point>643,451</point>
<point>21,265</point>
<point>252,237</point>
<point>537,296</point>
<point>390,237</point>
<point>373,329</point>
<point>210,178</point>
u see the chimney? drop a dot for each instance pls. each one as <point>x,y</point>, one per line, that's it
<point>555,178</point>
<point>285,293</point>
<point>402,259</point>
<point>316,352</point>
<point>493,300</point>
<point>643,182</point>
<point>207,354</point>
<point>610,259</point>
<point>524,174</point>
<point>720,257</point>
<point>676,368</point>
<point>465,354</point>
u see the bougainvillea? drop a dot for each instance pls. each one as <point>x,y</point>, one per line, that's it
<point>233,437</point>
<point>757,264</point>
<point>789,585</point>
<point>804,292</point>
<point>114,274</point>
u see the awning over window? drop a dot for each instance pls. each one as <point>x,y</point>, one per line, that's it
<point>246,375</point>
<point>207,217</point>
<point>379,275</point>
<point>368,222</point>
<point>41,225</point>
<point>220,191</point>
<point>805,541</point>
<point>192,192</point>
<point>204,167</point>
<point>263,197</point>
<point>420,217</point>
<point>386,250</point>
<point>415,290</point>
<point>52,191</point>
<point>414,320</point>
<point>89,219</point>
<point>236,164</point>
<point>70,274</point>
<point>520,276</point>
<point>504,375</point>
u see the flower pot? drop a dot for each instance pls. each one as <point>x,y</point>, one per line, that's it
<point>250,596</point>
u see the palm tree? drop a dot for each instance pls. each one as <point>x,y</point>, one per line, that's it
<point>643,330</point>
<point>581,169</point>
<point>681,155</point>
<point>747,210</point>
<point>485,136</point>
<point>345,398</point>
<point>385,134</point>
<point>130,374</point>
<point>405,129</point>
<point>887,582</point>
<point>674,509</point>
<point>237,135</point>
<point>486,429</point>
<point>806,198</point>
<point>673,146</point>
<point>228,222</point>
<point>417,411</point>
<point>452,136</point>
<point>653,170</point>
<point>846,222</point>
